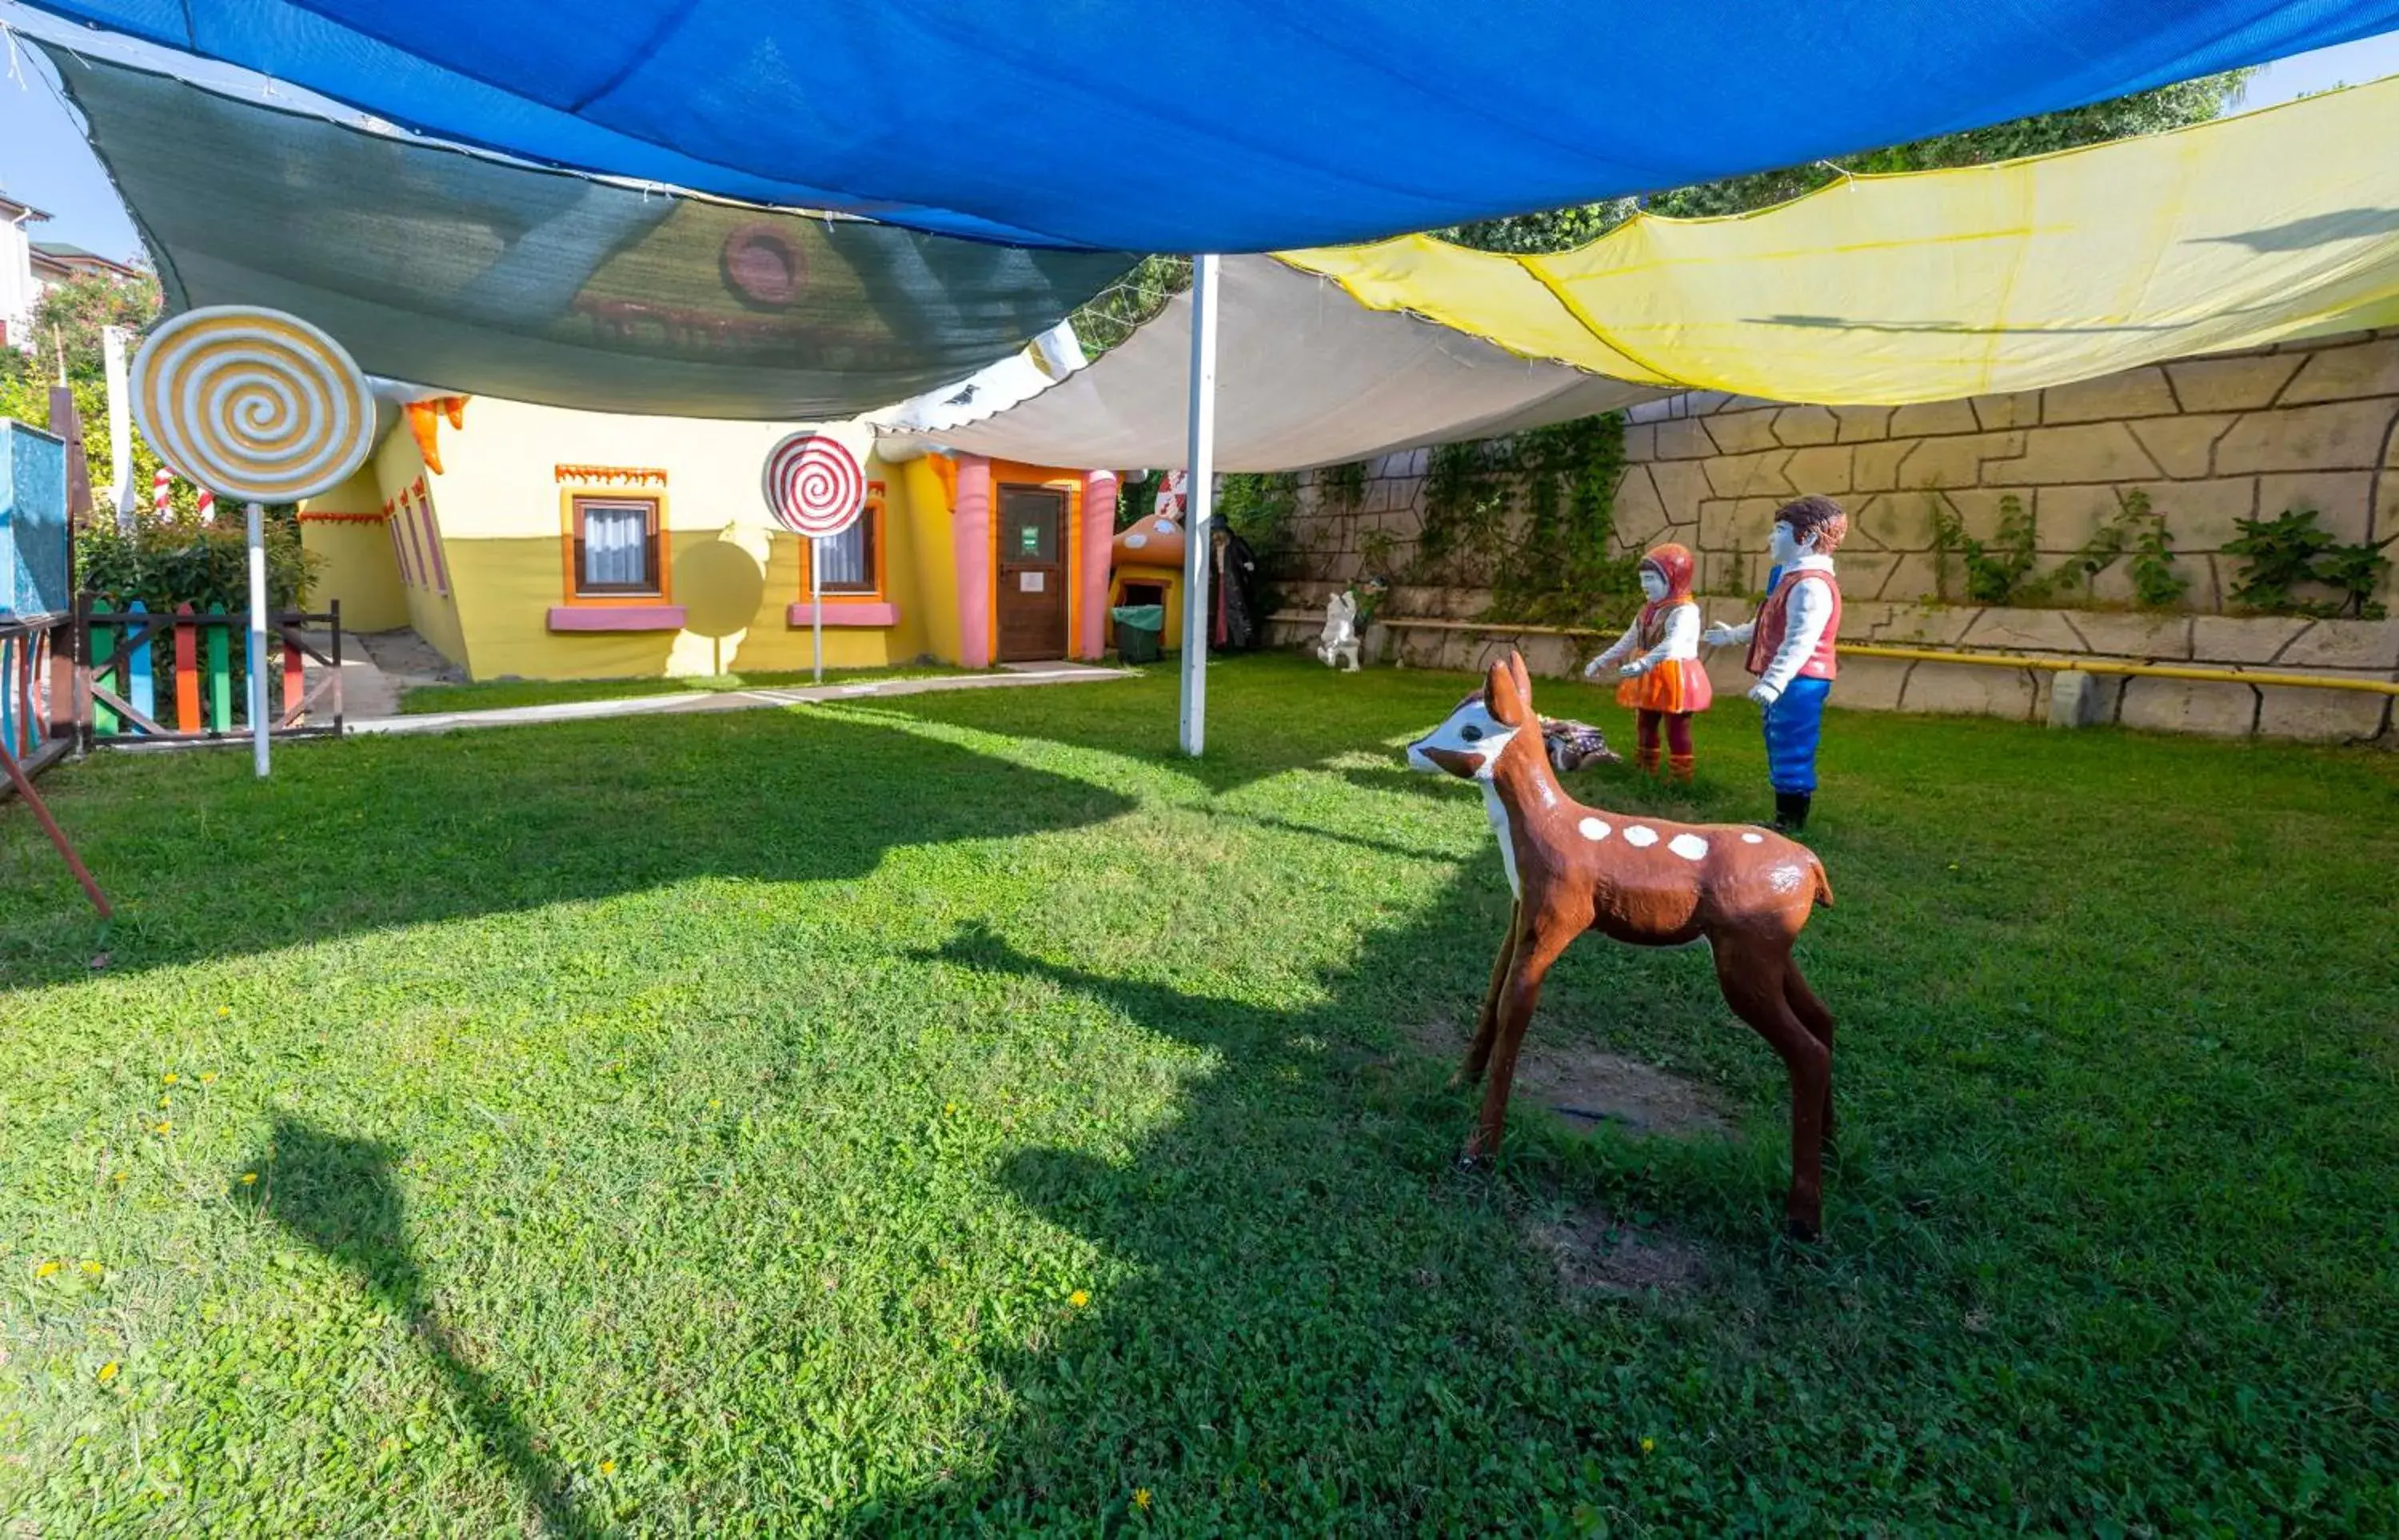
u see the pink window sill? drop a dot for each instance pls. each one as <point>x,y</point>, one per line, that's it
<point>615,617</point>
<point>837,615</point>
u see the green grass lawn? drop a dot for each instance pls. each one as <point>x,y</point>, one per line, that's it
<point>961,1112</point>
<point>492,695</point>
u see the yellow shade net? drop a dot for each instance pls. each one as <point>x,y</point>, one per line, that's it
<point>1932,285</point>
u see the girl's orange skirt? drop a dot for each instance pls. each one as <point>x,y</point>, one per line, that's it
<point>1676,685</point>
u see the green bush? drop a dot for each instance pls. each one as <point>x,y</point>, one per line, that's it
<point>167,562</point>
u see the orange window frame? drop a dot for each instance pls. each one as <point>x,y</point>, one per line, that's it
<point>571,501</point>
<point>877,556</point>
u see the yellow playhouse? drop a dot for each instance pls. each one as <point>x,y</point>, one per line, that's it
<point>537,543</point>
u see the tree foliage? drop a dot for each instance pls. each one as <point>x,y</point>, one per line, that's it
<point>66,330</point>
<point>1118,310</point>
<point>71,315</point>
<point>2175,106</point>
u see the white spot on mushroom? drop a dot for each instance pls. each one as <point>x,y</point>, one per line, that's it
<point>1640,835</point>
<point>1593,828</point>
<point>1135,542</point>
<point>1690,847</point>
<point>1164,526</point>
<point>1784,878</point>
<point>1753,839</point>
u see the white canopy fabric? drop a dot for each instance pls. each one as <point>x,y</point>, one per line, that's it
<point>1306,376</point>
<point>1033,369</point>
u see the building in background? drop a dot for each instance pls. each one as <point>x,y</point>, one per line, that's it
<point>18,290</point>
<point>541,543</point>
<point>54,262</point>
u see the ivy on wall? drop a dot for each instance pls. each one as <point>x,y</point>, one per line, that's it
<point>2282,556</point>
<point>2004,570</point>
<point>1533,519</point>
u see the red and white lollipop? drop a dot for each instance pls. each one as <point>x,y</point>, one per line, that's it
<point>814,485</point>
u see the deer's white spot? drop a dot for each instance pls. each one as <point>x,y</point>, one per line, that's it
<point>1640,835</point>
<point>1784,878</point>
<point>1593,828</point>
<point>1690,847</point>
<point>1753,839</point>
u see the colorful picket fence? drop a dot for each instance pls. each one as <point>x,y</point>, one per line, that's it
<point>150,677</point>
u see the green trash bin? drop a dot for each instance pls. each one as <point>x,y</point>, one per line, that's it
<point>1139,627</point>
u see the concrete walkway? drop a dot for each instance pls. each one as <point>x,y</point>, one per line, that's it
<point>1014,676</point>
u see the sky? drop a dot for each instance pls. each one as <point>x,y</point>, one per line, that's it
<point>43,160</point>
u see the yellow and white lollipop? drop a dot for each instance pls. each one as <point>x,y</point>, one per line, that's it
<point>252,404</point>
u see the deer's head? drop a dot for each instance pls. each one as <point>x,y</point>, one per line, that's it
<point>1468,744</point>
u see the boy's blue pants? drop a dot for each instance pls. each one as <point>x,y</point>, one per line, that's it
<point>1792,723</point>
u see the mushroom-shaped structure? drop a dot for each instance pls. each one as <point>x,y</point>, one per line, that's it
<point>1153,540</point>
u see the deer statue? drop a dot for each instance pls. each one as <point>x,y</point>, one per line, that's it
<point>1746,891</point>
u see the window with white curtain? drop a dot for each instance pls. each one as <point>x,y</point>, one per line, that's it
<point>846,561</point>
<point>616,545</point>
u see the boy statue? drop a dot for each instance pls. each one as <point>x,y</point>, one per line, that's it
<point>1791,647</point>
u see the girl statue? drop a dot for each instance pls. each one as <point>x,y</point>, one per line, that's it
<point>1662,680</point>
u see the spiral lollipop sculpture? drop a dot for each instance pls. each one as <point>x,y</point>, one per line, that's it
<point>262,407</point>
<point>814,485</point>
<point>252,404</point>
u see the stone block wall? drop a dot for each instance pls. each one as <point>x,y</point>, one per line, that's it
<point>2345,649</point>
<point>2209,440</point>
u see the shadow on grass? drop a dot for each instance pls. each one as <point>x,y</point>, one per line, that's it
<point>371,833</point>
<point>1300,1240</point>
<point>338,1196</point>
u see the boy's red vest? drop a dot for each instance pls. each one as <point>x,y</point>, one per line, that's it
<point>1774,624</point>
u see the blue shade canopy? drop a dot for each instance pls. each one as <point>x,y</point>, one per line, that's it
<point>1221,125</point>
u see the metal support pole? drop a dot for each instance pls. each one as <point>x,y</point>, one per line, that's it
<point>1197,546</point>
<point>815,602</point>
<point>258,722</point>
<point>33,799</point>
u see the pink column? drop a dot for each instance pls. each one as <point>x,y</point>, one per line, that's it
<point>970,546</point>
<point>1099,543</point>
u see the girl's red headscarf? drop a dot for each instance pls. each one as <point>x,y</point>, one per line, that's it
<point>1674,563</point>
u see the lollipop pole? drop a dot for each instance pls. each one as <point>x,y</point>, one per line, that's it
<point>815,602</point>
<point>257,656</point>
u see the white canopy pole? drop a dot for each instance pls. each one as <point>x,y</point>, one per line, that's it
<point>1196,543</point>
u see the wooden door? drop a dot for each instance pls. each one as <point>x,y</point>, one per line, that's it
<point>1032,573</point>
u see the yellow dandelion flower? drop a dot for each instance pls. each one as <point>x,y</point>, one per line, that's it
<point>168,1079</point>
<point>1648,1446</point>
<point>164,1102</point>
<point>209,1078</point>
<point>107,1372</point>
<point>120,1176</point>
<point>224,1011</point>
<point>714,1102</point>
<point>607,1468</point>
<point>249,1179</point>
<point>163,1129</point>
<point>93,1268</point>
<point>1141,1498</point>
<point>949,1109</point>
<point>45,1269</point>
<point>1079,1298</point>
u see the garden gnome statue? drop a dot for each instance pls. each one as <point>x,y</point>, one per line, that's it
<point>1663,679</point>
<point>1340,638</point>
<point>1791,647</point>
